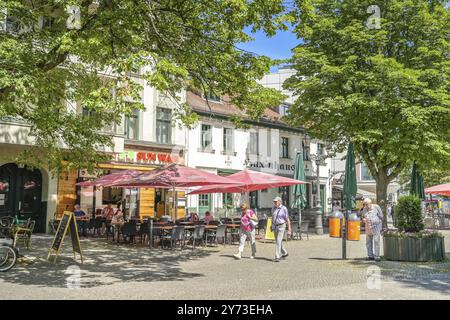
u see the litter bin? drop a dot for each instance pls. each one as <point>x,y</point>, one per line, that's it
<point>334,222</point>
<point>354,227</point>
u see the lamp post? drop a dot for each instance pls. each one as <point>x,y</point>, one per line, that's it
<point>318,159</point>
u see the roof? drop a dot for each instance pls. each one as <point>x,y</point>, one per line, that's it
<point>226,109</point>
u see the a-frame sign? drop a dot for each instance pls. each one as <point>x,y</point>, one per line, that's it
<point>67,223</point>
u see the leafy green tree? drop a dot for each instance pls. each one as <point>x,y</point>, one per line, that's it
<point>382,84</point>
<point>57,56</point>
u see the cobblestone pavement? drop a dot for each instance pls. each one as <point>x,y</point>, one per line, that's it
<point>313,270</point>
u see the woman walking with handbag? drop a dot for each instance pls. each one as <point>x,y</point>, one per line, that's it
<point>249,220</point>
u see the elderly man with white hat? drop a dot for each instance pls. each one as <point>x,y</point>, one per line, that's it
<point>280,218</point>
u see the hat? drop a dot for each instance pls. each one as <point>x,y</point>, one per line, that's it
<point>277,199</point>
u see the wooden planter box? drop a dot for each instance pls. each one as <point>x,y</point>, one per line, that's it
<point>413,249</point>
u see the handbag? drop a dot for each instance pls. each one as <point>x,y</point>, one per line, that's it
<point>273,226</point>
<point>253,220</point>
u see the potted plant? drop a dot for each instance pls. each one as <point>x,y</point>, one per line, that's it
<point>411,242</point>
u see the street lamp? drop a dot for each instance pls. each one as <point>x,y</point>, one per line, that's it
<point>318,159</point>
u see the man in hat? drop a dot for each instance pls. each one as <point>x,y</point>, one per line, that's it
<point>280,219</point>
<point>373,219</point>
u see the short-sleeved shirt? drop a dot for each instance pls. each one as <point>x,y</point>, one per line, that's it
<point>280,215</point>
<point>108,213</point>
<point>245,221</point>
<point>374,218</point>
<point>79,213</point>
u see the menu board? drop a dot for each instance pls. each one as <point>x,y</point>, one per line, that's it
<point>67,223</point>
<point>269,233</point>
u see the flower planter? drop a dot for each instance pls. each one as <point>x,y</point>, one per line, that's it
<point>399,248</point>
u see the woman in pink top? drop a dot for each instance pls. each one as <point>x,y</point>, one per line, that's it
<point>247,230</point>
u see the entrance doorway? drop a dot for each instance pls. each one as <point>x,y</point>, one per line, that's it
<point>21,194</point>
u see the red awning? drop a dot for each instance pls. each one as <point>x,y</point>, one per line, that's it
<point>442,189</point>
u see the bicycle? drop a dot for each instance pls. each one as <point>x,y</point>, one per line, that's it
<point>8,257</point>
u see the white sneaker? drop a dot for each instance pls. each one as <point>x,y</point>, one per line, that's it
<point>252,257</point>
<point>237,256</point>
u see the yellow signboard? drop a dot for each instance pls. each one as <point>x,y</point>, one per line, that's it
<point>269,233</point>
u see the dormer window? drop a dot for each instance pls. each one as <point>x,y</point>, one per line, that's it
<point>212,96</point>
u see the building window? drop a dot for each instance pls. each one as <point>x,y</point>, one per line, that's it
<point>320,149</point>
<point>228,140</point>
<point>253,199</point>
<point>284,109</point>
<point>206,137</point>
<point>227,200</point>
<point>284,193</point>
<point>308,196</point>
<point>48,22</point>
<point>284,147</point>
<point>269,143</point>
<point>365,173</point>
<point>211,96</point>
<point>254,142</point>
<point>306,152</point>
<point>132,126</point>
<point>204,201</point>
<point>163,125</point>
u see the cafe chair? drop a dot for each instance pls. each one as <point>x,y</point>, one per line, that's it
<point>144,231</point>
<point>129,230</point>
<point>177,236</point>
<point>24,234</point>
<point>6,224</point>
<point>221,233</point>
<point>198,235</point>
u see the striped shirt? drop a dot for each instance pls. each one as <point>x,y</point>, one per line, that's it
<point>374,219</point>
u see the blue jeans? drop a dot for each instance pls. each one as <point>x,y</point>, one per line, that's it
<point>370,240</point>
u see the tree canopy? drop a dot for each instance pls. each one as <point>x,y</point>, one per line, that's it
<point>57,56</point>
<point>385,89</point>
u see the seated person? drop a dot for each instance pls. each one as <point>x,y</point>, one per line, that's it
<point>118,217</point>
<point>193,216</point>
<point>208,217</point>
<point>78,212</point>
<point>81,217</point>
<point>108,212</point>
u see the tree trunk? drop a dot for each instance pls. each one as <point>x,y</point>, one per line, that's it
<point>381,190</point>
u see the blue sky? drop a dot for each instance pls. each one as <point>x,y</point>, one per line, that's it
<point>276,47</point>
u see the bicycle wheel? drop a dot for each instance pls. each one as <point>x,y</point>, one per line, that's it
<point>8,257</point>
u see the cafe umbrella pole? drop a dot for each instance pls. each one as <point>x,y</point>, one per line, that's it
<point>349,193</point>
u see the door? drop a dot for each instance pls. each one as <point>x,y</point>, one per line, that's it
<point>322,198</point>
<point>204,204</point>
<point>21,193</point>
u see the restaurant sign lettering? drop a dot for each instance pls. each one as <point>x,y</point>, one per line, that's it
<point>143,157</point>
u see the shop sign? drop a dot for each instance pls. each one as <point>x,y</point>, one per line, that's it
<point>269,165</point>
<point>143,157</point>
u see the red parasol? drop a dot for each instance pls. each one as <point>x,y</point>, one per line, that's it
<point>442,189</point>
<point>247,181</point>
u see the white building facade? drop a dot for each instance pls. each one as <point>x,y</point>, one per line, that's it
<point>268,145</point>
<point>145,141</point>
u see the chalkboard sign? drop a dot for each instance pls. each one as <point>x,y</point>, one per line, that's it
<point>67,223</point>
<point>73,229</point>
